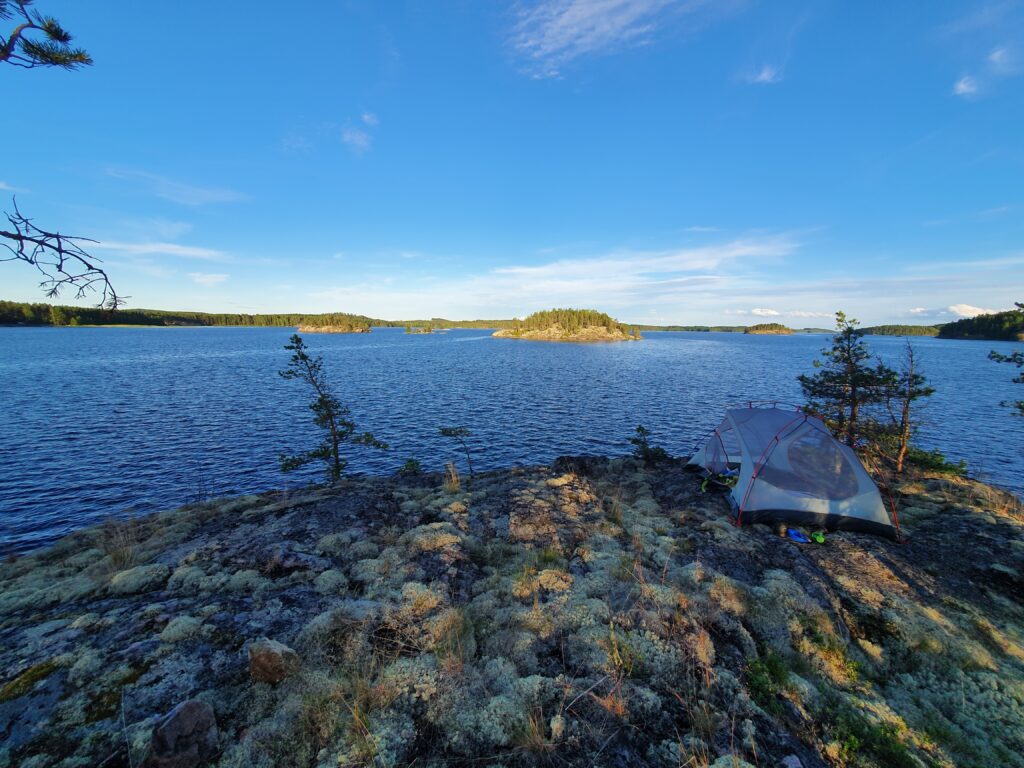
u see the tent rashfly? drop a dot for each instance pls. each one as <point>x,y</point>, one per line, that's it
<point>789,468</point>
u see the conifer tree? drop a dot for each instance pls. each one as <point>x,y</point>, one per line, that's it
<point>37,40</point>
<point>460,434</point>
<point>847,382</point>
<point>906,387</point>
<point>333,418</point>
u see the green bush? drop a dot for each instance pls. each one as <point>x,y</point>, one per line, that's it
<point>766,678</point>
<point>935,461</point>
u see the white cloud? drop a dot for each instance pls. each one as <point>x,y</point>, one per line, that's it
<point>807,314</point>
<point>162,249</point>
<point>766,75</point>
<point>5,187</point>
<point>177,192</point>
<point>966,310</point>
<point>207,279</point>
<point>965,86</point>
<point>357,140</point>
<point>798,313</point>
<point>551,33</point>
<point>918,310</point>
<point>1004,61</point>
<point>370,119</point>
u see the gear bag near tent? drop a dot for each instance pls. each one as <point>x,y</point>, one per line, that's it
<point>788,468</point>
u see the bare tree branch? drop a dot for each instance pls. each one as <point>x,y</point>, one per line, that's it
<point>63,263</point>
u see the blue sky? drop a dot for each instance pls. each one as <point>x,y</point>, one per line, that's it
<point>667,162</point>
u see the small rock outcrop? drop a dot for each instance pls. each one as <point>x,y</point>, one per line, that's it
<point>271,661</point>
<point>142,578</point>
<point>185,738</point>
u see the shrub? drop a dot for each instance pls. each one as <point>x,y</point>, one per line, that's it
<point>766,678</point>
<point>642,448</point>
<point>411,468</point>
<point>935,461</point>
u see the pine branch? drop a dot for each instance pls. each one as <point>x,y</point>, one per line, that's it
<point>52,49</point>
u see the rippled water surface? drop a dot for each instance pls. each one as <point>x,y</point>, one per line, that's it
<point>94,421</point>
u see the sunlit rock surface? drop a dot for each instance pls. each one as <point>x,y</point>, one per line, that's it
<point>594,613</point>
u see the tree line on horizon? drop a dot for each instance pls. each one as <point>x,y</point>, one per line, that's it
<point>23,313</point>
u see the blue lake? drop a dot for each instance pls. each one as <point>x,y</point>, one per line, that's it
<point>96,421</point>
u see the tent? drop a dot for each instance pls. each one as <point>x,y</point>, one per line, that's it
<point>784,465</point>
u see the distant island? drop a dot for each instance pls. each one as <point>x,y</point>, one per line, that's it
<point>569,325</point>
<point>419,329</point>
<point>336,328</point>
<point>769,329</point>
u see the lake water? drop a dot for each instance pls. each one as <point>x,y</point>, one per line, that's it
<point>96,421</point>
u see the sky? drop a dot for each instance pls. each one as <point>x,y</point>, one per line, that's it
<point>698,161</point>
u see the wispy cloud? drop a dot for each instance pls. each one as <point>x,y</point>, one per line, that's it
<point>766,75</point>
<point>370,119</point>
<point>357,140</point>
<point>550,34</point>
<point>207,279</point>
<point>162,249</point>
<point>609,281</point>
<point>965,87</point>
<point>176,191</point>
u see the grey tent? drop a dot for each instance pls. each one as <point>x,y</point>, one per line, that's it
<point>787,467</point>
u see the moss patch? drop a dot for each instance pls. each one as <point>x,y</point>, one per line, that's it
<point>26,681</point>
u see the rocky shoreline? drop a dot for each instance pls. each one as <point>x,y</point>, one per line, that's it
<point>596,612</point>
<point>331,329</point>
<point>556,333</point>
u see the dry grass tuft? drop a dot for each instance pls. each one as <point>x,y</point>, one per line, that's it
<point>532,736</point>
<point>118,540</point>
<point>452,482</point>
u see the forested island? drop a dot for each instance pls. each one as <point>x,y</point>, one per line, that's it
<point>769,329</point>
<point>901,330</point>
<point>1002,326</point>
<point>569,325</point>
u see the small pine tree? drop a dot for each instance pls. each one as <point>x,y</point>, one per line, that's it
<point>460,434</point>
<point>906,387</point>
<point>642,448</point>
<point>328,413</point>
<point>847,382</point>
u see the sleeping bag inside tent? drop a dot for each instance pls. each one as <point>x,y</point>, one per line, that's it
<point>789,468</point>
